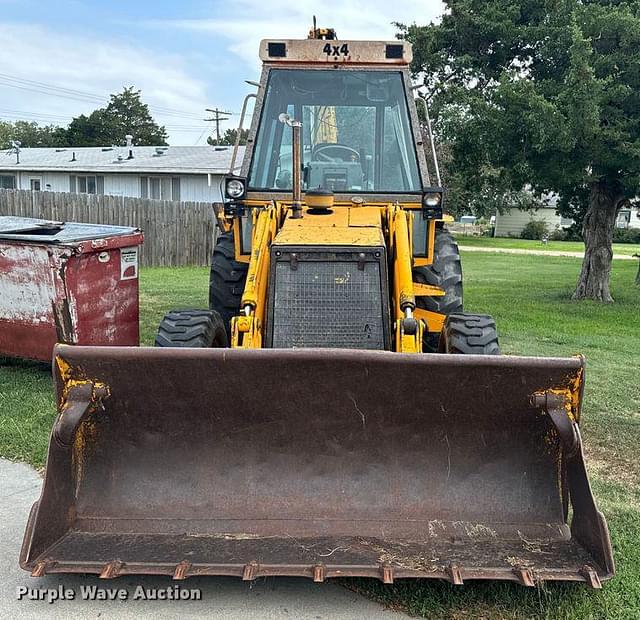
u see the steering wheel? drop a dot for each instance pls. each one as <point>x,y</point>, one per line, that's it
<point>333,152</point>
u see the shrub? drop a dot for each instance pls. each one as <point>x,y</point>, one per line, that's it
<point>626,235</point>
<point>559,234</point>
<point>573,232</point>
<point>535,229</point>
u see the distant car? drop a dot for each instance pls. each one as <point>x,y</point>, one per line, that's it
<point>468,219</point>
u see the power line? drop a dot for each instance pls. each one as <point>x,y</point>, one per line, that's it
<point>43,116</point>
<point>201,136</point>
<point>26,117</point>
<point>47,85</point>
<point>78,95</point>
<point>70,93</point>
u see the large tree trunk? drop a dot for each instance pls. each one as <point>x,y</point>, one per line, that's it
<point>597,230</point>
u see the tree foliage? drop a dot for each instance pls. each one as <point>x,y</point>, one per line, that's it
<point>229,137</point>
<point>30,134</point>
<point>124,114</point>
<point>542,95</point>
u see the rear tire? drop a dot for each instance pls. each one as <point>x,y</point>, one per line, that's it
<point>445,272</point>
<point>226,280</point>
<point>465,333</point>
<point>202,329</point>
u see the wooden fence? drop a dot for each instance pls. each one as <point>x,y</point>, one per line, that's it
<point>176,234</point>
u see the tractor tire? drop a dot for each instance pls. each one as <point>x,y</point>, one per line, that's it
<point>202,329</point>
<point>465,333</point>
<point>445,272</point>
<point>226,280</point>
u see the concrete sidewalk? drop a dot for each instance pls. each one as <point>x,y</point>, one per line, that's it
<point>264,599</point>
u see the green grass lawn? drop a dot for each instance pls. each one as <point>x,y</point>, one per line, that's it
<point>530,300</point>
<point>628,249</point>
<point>26,395</point>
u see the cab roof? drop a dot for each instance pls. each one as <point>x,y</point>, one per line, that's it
<point>332,52</point>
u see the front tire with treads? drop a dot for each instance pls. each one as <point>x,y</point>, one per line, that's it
<point>466,333</point>
<point>202,329</point>
<point>445,272</point>
<point>226,280</point>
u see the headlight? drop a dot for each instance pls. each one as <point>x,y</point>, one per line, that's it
<point>234,188</point>
<point>432,203</point>
<point>431,200</point>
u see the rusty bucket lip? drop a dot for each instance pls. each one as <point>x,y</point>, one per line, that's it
<point>323,568</point>
<point>318,572</point>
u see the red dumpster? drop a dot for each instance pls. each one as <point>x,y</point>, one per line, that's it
<point>66,282</point>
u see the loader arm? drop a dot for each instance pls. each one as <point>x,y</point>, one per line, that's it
<point>246,329</point>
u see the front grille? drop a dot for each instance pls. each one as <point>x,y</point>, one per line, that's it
<point>328,299</point>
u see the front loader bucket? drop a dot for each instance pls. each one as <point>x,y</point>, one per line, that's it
<point>316,463</point>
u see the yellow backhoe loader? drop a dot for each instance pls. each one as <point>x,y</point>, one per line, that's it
<point>334,412</point>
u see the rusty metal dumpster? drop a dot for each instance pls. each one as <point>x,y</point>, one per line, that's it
<point>66,282</point>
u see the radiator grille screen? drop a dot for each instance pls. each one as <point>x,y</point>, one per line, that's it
<point>328,304</point>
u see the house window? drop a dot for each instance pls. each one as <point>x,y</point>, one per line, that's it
<point>35,185</point>
<point>160,188</point>
<point>86,184</point>
<point>7,181</point>
<point>624,219</point>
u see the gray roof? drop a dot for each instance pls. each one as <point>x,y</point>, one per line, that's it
<point>171,159</point>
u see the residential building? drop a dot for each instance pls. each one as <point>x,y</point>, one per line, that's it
<point>628,218</point>
<point>511,223</point>
<point>188,173</point>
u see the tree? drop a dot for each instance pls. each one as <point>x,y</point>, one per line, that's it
<point>30,134</point>
<point>482,193</point>
<point>229,137</point>
<point>124,114</point>
<point>541,95</point>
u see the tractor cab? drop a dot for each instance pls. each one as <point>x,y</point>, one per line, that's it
<point>356,132</point>
<point>360,133</point>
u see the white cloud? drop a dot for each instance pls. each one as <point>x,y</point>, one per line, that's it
<point>105,65</point>
<point>253,20</point>
<point>98,66</point>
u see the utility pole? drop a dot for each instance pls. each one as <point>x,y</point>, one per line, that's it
<point>218,116</point>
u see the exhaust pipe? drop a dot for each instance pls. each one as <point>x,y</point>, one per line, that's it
<point>296,206</point>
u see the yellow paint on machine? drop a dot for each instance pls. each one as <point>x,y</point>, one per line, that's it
<point>571,395</point>
<point>85,437</point>
<point>75,376</point>
<point>346,225</point>
<point>355,226</point>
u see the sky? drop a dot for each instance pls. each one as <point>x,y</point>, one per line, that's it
<point>62,58</point>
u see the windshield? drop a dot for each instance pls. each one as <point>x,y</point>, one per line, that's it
<point>356,134</point>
